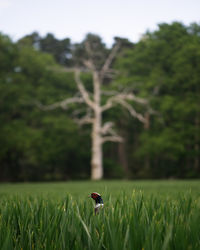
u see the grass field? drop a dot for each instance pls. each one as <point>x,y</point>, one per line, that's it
<point>137,215</point>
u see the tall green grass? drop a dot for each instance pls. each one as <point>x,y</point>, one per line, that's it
<point>130,219</point>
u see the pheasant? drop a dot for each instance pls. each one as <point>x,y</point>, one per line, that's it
<point>98,200</point>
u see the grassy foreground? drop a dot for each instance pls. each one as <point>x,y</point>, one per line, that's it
<point>137,215</point>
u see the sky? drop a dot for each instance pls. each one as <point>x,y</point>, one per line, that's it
<point>108,18</point>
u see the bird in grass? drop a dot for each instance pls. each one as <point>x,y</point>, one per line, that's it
<point>98,201</point>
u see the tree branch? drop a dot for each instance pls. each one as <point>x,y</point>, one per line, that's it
<point>112,101</point>
<point>87,119</point>
<point>112,138</point>
<point>88,49</point>
<point>132,97</point>
<point>109,60</point>
<point>122,99</point>
<point>83,91</point>
<point>89,62</point>
<point>107,127</point>
<point>84,120</point>
<point>109,92</point>
<point>63,104</point>
<point>109,104</point>
<point>132,110</point>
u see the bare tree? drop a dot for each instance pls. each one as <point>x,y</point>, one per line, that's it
<point>101,132</point>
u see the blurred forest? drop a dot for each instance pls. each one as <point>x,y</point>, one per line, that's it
<point>163,67</point>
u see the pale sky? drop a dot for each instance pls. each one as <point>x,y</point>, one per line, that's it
<point>108,18</point>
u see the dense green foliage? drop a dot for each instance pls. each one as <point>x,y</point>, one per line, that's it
<point>36,145</point>
<point>164,67</point>
<point>136,215</point>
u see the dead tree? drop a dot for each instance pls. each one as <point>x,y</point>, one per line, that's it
<point>101,132</point>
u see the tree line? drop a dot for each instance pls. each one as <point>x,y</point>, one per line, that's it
<point>44,144</point>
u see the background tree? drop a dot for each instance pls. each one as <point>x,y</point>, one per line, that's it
<point>36,146</point>
<point>166,65</point>
<point>94,60</point>
<point>61,50</point>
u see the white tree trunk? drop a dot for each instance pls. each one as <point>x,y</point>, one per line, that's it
<point>96,161</point>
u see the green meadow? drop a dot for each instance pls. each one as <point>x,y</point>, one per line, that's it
<point>136,215</point>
